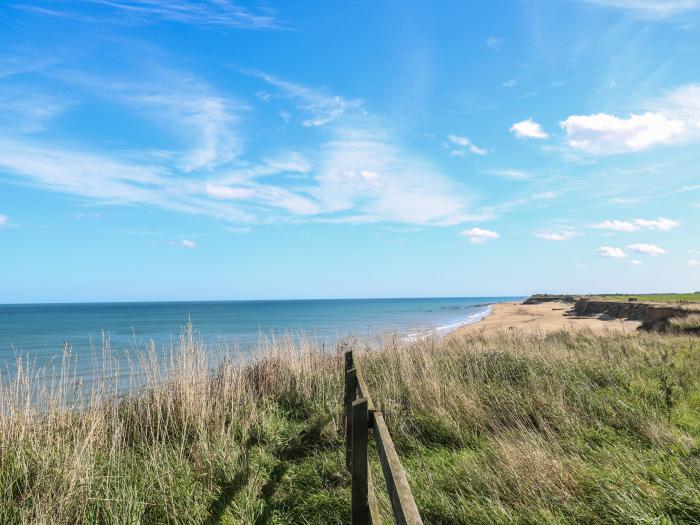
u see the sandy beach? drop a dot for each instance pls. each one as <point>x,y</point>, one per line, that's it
<point>545,317</point>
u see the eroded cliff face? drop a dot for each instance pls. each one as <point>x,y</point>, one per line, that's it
<point>653,317</point>
<point>547,298</point>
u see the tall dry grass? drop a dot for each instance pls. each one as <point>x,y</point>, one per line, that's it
<point>500,428</point>
<point>131,445</point>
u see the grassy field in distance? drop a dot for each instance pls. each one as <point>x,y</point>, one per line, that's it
<point>657,298</point>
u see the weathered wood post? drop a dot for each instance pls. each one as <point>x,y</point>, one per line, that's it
<point>360,432</point>
<point>350,382</point>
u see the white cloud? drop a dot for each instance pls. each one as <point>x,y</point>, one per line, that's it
<point>238,229</point>
<point>545,195</point>
<point>24,110</point>
<point>226,192</point>
<point>660,224</point>
<point>604,134</point>
<point>563,235</point>
<point>511,174</point>
<point>620,226</point>
<point>647,249</point>
<point>636,262</point>
<point>4,220</point>
<point>693,262</point>
<point>359,172</point>
<point>479,235</point>
<point>649,8</point>
<point>609,251</point>
<point>494,43</point>
<point>222,13</point>
<point>212,117</point>
<point>186,243</point>
<point>263,95</point>
<point>322,107</point>
<point>464,142</point>
<point>365,176</point>
<point>204,122</point>
<point>672,118</point>
<point>509,83</point>
<point>528,129</point>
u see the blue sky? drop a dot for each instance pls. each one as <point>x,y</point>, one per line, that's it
<point>218,150</point>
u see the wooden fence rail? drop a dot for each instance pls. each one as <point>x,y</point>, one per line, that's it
<point>361,416</point>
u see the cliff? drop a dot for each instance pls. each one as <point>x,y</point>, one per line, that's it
<point>546,298</point>
<point>653,317</point>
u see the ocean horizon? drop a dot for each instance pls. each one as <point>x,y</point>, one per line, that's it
<point>43,330</point>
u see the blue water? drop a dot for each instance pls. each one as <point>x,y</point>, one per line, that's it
<point>41,330</point>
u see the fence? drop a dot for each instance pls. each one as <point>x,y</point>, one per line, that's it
<point>361,416</point>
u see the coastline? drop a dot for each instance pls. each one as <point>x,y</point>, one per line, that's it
<point>544,317</point>
<point>447,330</point>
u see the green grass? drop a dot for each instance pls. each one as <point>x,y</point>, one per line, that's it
<point>503,428</point>
<point>657,298</point>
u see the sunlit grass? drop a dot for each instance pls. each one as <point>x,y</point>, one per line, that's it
<point>658,298</point>
<point>500,428</point>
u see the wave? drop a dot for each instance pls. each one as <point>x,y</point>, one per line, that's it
<point>443,330</point>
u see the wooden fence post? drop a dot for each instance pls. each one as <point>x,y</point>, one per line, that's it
<point>350,382</point>
<point>360,432</point>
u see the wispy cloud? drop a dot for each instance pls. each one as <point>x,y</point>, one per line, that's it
<point>464,142</point>
<point>188,110</point>
<point>238,229</point>
<point>323,108</point>
<point>4,220</point>
<point>636,262</point>
<point>562,235</point>
<point>359,172</point>
<point>545,195</point>
<point>528,129</point>
<point>610,251</point>
<point>693,262</point>
<point>221,13</point>
<point>228,192</point>
<point>479,235</point>
<point>363,173</point>
<point>27,111</point>
<point>185,243</point>
<point>647,249</point>
<point>660,224</point>
<point>649,8</point>
<point>510,174</point>
<point>494,43</point>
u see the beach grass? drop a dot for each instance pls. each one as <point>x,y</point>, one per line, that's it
<point>491,428</point>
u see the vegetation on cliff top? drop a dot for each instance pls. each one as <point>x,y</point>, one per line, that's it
<point>652,298</point>
<point>501,428</point>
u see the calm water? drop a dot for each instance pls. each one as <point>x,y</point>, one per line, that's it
<point>42,329</point>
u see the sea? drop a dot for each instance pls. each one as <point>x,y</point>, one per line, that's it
<point>42,332</point>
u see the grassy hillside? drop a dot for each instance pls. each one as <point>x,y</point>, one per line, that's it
<point>658,298</point>
<point>491,429</point>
